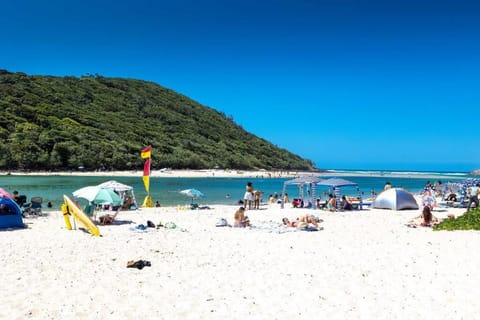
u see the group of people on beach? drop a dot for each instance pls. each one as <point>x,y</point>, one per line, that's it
<point>252,197</point>
<point>306,222</point>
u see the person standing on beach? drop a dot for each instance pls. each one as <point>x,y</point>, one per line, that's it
<point>257,195</point>
<point>248,197</point>
<point>474,191</point>
<point>387,186</point>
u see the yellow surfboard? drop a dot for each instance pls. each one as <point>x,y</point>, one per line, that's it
<point>74,210</point>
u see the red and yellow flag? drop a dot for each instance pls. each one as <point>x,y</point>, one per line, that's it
<point>146,175</point>
<point>147,152</point>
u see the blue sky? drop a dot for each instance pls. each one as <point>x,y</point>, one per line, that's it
<point>389,85</point>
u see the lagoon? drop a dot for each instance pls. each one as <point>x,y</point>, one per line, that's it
<point>217,190</point>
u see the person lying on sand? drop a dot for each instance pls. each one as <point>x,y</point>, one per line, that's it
<point>308,219</point>
<point>289,223</point>
<point>426,219</point>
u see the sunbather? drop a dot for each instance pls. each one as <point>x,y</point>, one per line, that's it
<point>345,204</point>
<point>289,223</point>
<point>426,219</point>
<point>240,219</point>
<point>308,219</point>
<point>452,196</point>
<point>109,218</point>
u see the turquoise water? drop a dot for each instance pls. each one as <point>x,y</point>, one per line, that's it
<point>216,190</point>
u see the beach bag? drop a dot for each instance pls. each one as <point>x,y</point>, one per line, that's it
<point>222,222</point>
<point>170,225</point>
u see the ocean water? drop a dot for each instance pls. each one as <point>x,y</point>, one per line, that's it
<point>218,190</point>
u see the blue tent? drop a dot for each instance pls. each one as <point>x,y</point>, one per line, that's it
<point>10,214</point>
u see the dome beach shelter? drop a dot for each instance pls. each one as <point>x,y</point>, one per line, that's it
<point>300,182</point>
<point>10,214</point>
<point>395,199</point>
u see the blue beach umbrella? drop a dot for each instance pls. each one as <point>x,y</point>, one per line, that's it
<point>192,193</point>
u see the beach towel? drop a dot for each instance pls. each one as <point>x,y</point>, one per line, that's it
<point>272,227</point>
<point>139,228</point>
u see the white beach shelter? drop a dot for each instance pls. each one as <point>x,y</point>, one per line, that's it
<point>395,199</point>
<point>115,185</point>
<point>121,188</point>
<point>301,181</point>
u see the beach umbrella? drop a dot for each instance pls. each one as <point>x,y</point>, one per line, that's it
<point>4,194</point>
<point>98,195</point>
<point>192,193</point>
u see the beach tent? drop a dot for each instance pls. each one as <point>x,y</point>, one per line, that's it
<point>301,181</point>
<point>395,199</point>
<point>122,189</point>
<point>336,184</point>
<point>10,214</point>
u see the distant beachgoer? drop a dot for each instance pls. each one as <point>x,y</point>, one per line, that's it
<point>49,204</point>
<point>240,219</point>
<point>345,204</point>
<point>452,196</point>
<point>332,202</point>
<point>248,197</point>
<point>257,197</point>
<point>303,223</point>
<point>308,219</point>
<point>271,199</point>
<point>289,223</point>
<point>285,198</point>
<point>387,186</point>
<point>157,204</point>
<point>474,192</point>
<point>426,219</point>
<point>15,196</point>
<point>4,209</point>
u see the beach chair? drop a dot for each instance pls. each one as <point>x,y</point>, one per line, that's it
<point>34,208</point>
<point>108,218</point>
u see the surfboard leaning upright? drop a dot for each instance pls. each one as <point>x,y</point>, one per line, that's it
<point>74,210</point>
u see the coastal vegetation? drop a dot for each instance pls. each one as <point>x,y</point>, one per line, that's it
<point>470,220</point>
<point>94,122</point>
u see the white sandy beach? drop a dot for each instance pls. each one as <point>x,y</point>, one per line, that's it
<point>363,265</point>
<point>221,173</point>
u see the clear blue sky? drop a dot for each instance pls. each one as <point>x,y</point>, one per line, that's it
<point>348,84</point>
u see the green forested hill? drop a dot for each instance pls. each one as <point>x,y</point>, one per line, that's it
<point>58,123</point>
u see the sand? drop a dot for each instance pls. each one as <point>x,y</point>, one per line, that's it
<point>363,265</point>
<point>221,173</point>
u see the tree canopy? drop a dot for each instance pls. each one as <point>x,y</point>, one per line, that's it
<point>59,123</point>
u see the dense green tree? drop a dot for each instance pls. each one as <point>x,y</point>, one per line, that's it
<point>58,123</point>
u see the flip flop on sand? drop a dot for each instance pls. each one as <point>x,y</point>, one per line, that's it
<point>138,264</point>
